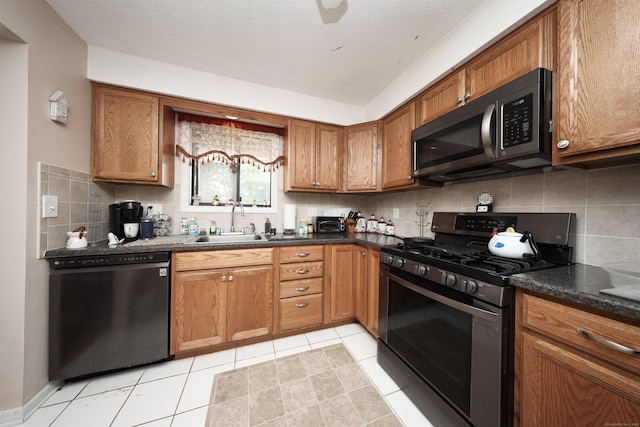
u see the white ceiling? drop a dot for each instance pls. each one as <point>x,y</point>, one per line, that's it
<point>349,54</point>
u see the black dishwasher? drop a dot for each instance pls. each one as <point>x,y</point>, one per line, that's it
<point>107,312</point>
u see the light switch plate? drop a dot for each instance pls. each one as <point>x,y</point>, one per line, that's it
<point>49,206</point>
<point>396,213</point>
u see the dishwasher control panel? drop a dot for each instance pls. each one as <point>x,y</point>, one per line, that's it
<point>103,260</point>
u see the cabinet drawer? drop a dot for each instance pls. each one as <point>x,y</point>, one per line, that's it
<point>206,260</point>
<point>294,288</point>
<point>301,270</point>
<point>298,312</point>
<point>301,253</point>
<point>561,322</point>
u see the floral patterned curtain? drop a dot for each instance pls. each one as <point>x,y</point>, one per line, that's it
<point>226,143</point>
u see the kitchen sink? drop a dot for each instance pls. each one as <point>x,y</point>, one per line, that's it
<point>228,238</point>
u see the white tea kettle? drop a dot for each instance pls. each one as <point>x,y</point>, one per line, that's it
<point>510,244</point>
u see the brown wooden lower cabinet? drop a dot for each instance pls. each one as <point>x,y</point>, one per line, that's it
<point>341,283</point>
<point>259,293</point>
<point>367,268</point>
<point>219,305</point>
<point>298,312</point>
<point>301,298</point>
<point>564,378</point>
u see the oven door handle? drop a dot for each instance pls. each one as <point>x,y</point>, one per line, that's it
<point>474,311</point>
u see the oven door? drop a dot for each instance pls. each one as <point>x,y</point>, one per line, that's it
<point>455,343</point>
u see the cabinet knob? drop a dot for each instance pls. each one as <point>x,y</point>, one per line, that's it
<point>306,288</point>
<point>363,253</point>
<point>223,279</point>
<point>563,143</point>
<point>303,305</point>
<point>409,177</point>
<point>304,271</point>
<point>231,278</point>
<point>459,100</point>
<point>302,255</point>
<point>467,95</point>
<point>153,174</point>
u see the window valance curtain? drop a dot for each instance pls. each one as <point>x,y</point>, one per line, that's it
<point>205,139</point>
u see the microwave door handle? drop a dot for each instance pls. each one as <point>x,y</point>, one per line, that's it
<point>485,130</point>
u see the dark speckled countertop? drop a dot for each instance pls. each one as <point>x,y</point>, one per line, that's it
<point>578,283</point>
<point>180,243</point>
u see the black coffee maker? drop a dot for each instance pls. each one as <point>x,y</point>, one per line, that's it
<point>125,216</point>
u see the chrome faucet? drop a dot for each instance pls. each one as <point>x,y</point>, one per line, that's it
<point>233,210</point>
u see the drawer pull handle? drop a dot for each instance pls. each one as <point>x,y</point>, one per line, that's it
<point>303,305</point>
<point>303,255</point>
<point>306,288</point>
<point>606,342</point>
<point>305,271</point>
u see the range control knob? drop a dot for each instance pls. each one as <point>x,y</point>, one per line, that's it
<point>388,259</point>
<point>470,286</point>
<point>450,280</point>
<point>399,262</point>
<point>421,270</point>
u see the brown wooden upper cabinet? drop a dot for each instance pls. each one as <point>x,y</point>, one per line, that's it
<point>132,138</point>
<point>525,49</point>
<point>597,123</point>
<point>312,157</point>
<point>362,158</point>
<point>397,165</point>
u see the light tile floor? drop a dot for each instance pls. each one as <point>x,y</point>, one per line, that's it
<point>176,393</point>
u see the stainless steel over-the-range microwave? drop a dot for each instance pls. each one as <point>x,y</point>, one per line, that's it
<point>506,130</point>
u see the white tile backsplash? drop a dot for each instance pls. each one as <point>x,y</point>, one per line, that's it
<point>606,201</point>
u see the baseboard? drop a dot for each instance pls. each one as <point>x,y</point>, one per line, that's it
<point>15,416</point>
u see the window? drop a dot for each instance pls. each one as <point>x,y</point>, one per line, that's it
<point>216,183</point>
<point>225,162</point>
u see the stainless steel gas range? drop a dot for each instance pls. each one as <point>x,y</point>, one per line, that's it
<point>446,312</point>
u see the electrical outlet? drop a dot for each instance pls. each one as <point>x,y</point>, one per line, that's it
<point>312,212</point>
<point>49,206</point>
<point>396,213</point>
<point>155,208</point>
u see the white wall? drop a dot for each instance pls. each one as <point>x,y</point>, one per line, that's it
<point>492,20</point>
<point>13,122</point>
<point>53,58</point>
<point>488,22</point>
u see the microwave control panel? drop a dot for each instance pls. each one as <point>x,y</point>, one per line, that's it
<point>517,127</point>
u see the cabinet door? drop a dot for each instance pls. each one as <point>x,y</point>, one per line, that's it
<point>562,388</point>
<point>341,283</point>
<point>327,142</point>
<point>249,302</point>
<point>597,84</point>
<point>373,289</point>
<point>361,302</point>
<point>301,169</point>
<point>396,148</point>
<point>125,140</point>
<point>524,50</point>
<point>362,157</point>
<point>198,310</point>
<point>441,98</point>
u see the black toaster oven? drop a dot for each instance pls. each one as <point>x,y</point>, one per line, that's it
<point>328,224</point>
